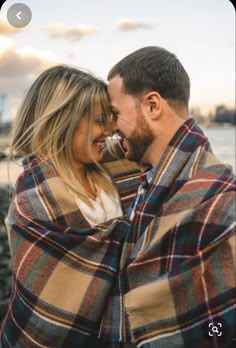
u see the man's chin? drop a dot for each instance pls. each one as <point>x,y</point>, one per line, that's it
<point>130,153</point>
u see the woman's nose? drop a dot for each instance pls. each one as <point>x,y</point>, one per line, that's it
<point>106,131</point>
<point>110,129</point>
<point>114,128</point>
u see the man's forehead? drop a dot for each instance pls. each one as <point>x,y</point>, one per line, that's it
<point>115,86</point>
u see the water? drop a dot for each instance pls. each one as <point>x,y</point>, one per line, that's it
<point>222,141</point>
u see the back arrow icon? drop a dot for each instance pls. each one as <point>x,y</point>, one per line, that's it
<point>18,15</point>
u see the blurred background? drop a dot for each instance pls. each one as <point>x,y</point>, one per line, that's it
<point>94,35</point>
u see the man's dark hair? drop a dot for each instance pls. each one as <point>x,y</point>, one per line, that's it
<point>154,69</point>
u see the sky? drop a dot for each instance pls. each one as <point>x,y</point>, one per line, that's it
<point>95,34</point>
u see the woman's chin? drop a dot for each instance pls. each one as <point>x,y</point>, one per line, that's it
<point>98,156</point>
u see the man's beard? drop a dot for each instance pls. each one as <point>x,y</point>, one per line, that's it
<point>139,141</point>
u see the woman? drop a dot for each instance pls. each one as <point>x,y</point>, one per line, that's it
<point>61,128</point>
<point>63,123</point>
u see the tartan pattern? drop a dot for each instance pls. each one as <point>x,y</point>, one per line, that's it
<point>157,288</point>
<point>54,252</point>
<point>126,177</point>
<point>180,275</point>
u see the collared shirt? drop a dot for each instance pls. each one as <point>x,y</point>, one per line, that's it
<point>142,190</point>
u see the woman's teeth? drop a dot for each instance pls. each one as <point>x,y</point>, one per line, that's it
<point>101,144</point>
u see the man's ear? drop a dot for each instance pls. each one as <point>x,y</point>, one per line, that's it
<point>152,105</point>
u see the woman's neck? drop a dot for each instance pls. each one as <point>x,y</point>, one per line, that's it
<point>84,180</point>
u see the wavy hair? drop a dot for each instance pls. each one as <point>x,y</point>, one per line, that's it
<point>49,116</point>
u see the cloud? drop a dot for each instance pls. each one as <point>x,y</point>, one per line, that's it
<point>5,43</point>
<point>14,63</point>
<point>6,28</point>
<point>18,69</point>
<point>130,24</point>
<point>59,31</point>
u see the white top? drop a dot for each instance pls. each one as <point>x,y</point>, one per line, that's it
<point>104,208</point>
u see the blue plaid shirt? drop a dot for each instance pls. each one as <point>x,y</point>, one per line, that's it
<point>142,190</point>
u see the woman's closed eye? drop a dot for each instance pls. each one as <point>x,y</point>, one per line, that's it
<point>100,121</point>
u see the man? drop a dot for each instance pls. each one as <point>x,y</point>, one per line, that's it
<point>176,284</point>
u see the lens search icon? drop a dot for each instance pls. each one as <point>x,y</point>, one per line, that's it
<point>215,329</point>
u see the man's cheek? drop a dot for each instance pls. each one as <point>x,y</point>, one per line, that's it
<point>124,126</point>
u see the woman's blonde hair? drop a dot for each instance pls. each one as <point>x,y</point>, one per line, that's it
<point>49,117</point>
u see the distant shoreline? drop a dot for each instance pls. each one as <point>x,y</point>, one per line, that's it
<point>5,137</point>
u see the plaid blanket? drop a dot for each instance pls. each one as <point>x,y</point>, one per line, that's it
<point>167,287</point>
<point>55,251</point>
<point>178,281</point>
